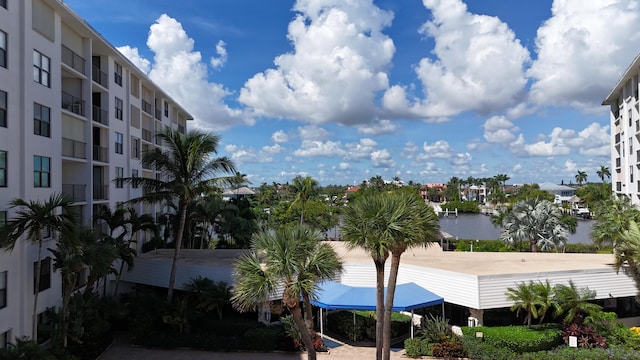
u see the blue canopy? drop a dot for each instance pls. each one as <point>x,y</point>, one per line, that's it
<point>336,296</point>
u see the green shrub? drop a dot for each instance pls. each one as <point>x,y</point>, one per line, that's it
<point>481,350</point>
<point>519,339</point>
<point>462,206</point>
<point>262,338</point>
<point>415,348</point>
<point>25,349</point>
<point>434,329</point>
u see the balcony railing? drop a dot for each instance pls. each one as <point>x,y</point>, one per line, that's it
<point>72,59</point>
<point>100,76</point>
<point>146,107</point>
<point>100,115</point>
<point>76,191</point>
<point>100,154</point>
<point>100,192</point>
<point>73,103</point>
<point>74,149</point>
<point>147,135</point>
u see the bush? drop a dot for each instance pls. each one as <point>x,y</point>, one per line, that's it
<point>25,349</point>
<point>462,206</point>
<point>262,338</point>
<point>450,348</point>
<point>519,339</point>
<point>415,348</point>
<point>435,329</point>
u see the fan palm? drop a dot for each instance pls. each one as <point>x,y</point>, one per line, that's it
<point>35,218</point>
<point>304,189</point>
<point>292,259</point>
<point>538,222</point>
<point>187,169</point>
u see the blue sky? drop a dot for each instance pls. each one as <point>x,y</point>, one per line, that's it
<point>343,90</point>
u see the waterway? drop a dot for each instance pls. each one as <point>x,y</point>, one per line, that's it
<point>479,227</point>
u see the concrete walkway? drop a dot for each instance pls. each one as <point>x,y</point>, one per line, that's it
<point>122,350</point>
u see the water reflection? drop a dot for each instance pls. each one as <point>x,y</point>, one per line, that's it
<point>476,226</point>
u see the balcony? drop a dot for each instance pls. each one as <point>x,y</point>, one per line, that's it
<point>74,149</point>
<point>72,103</point>
<point>100,115</point>
<point>618,162</point>
<point>146,107</point>
<point>100,154</point>
<point>147,135</point>
<point>100,77</point>
<point>617,139</point>
<point>76,191</point>
<point>73,60</point>
<point>100,192</point>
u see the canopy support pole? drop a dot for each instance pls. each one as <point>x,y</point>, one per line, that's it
<point>444,317</point>
<point>321,324</point>
<point>411,322</point>
<point>354,326</point>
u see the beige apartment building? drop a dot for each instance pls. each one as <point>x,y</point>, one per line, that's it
<point>74,115</point>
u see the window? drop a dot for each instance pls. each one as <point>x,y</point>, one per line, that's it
<point>41,68</point>
<point>44,326</point>
<point>3,168</point>
<point>117,74</point>
<point>3,293</point>
<point>118,109</point>
<point>41,171</point>
<point>135,148</point>
<point>119,143</point>
<point>45,274</point>
<point>134,175</point>
<point>119,176</point>
<point>41,120</point>
<point>166,109</point>
<point>3,109</point>
<point>3,49</point>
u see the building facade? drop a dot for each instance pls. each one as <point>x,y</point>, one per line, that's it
<point>625,133</point>
<point>94,116</point>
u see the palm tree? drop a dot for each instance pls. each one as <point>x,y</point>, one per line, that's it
<point>284,257</point>
<point>573,301</point>
<point>239,180</point>
<point>126,253</point>
<point>363,226</point>
<point>612,220</point>
<point>387,224</point>
<point>412,223</point>
<point>536,221</point>
<point>304,189</point>
<point>603,172</point>
<point>208,295</point>
<point>524,299</point>
<point>502,179</point>
<point>35,218</point>
<point>187,170</point>
<point>581,177</point>
<point>627,252</point>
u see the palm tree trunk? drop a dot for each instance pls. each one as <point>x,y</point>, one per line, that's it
<point>176,252</point>
<point>306,337</point>
<point>391,289</point>
<point>308,314</point>
<point>302,212</point>
<point>34,317</point>
<point>118,275</point>
<point>379,308</point>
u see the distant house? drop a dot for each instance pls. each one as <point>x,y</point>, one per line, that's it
<point>350,191</point>
<point>434,195</point>
<point>562,193</point>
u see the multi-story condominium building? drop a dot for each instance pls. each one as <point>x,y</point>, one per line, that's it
<point>624,106</point>
<point>75,114</point>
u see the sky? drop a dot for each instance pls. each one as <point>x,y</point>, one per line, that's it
<point>345,90</point>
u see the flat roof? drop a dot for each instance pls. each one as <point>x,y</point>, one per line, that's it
<point>473,263</point>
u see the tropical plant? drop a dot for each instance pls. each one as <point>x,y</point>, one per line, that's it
<point>35,218</point>
<point>537,222</point>
<point>581,177</point>
<point>304,189</point>
<point>627,253</point>
<point>524,299</point>
<point>208,295</point>
<point>612,220</point>
<point>187,170</point>
<point>603,172</point>
<point>573,302</point>
<point>292,258</point>
<point>384,225</point>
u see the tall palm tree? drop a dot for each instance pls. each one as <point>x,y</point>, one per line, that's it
<point>188,169</point>
<point>34,218</point>
<point>603,172</point>
<point>304,189</point>
<point>412,223</point>
<point>538,222</point>
<point>581,177</point>
<point>283,258</point>
<point>363,226</point>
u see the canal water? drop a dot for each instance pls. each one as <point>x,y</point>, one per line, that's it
<point>479,227</point>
